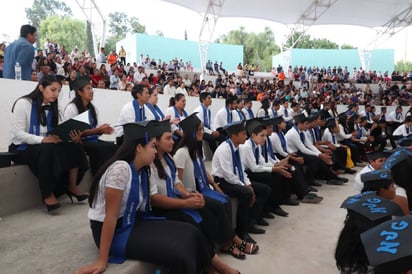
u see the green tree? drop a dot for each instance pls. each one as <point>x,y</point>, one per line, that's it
<point>258,49</point>
<point>403,66</point>
<point>41,9</point>
<point>306,42</point>
<point>136,26</point>
<point>65,30</point>
<point>346,46</point>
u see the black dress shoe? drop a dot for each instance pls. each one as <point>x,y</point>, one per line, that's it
<point>289,202</point>
<point>280,212</point>
<point>255,230</point>
<point>350,171</point>
<point>247,238</point>
<point>268,215</point>
<point>334,182</point>
<point>312,189</point>
<point>343,179</point>
<point>262,222</point>
<point>316,183</point>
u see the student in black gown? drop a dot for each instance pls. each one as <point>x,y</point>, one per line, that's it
<point>58,166</point>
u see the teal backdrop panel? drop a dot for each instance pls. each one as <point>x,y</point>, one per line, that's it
<point>167,49</point>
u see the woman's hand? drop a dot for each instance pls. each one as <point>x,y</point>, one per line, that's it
<point>95,268</point>
<point>105,129</point>
<point>52,139</point>
<point>75,136</point>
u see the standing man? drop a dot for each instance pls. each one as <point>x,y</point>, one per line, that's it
<point>122,54</point>
<point>21,51</point>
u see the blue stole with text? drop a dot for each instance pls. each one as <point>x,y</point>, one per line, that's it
<point>158,114</point>
<point>237,164</point>
<point>139,116</point>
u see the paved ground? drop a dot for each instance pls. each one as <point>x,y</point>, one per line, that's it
<point>34,242</point>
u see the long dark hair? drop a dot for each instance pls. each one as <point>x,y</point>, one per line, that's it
<point>350,254</point>
<point>77,101</point>
<point>158,163</point>
<point>37,96</point>
<point>126,152</point>
<point>194,146</point>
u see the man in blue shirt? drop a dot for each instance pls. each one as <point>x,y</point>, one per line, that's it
<point>21,51</point>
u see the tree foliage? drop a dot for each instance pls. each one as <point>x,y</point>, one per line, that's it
<point>41,9</point>
<point>304,41</point>
<point>258,49</point>
<point>65,30</point>
<point>120,25</point>
<point>403,66</point>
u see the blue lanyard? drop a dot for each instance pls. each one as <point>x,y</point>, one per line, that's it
<point>237,165</point>
<point>229,115</point>
<point>139,112</point>
<point>282,141</point>
<point>206,116</point>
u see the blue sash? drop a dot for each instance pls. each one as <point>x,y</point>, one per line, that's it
<point>202,185</point>
<point>275,113</point>
<point>177,115</point>
<point>34,127</point>
<point>301,134</point>
<point>318,133</point>
<point>228,116</point>
<point>250,112</point>
<point>269,149</point>
<point>255,150</point>
<point>138,117</point>
<point>121,236</point>
<point>312,135</point>
<point>171,193</point>
<point>91,138</point>
<point>359,131</point>
<point>158,114</point>
<point>206,116</point>
<point>282,141</point>
<point>237,164</point>
<point>241,115</point>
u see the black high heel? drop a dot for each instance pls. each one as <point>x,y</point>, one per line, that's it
<point>79,198</point>
<point>51,208</point>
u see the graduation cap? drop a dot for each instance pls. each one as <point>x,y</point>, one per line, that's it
<point>278,120</point>
<point>235,128</point>
<point>330,123</point>
<point>190,123</point>
<point>372,206</point>
<point>300,118</point>
<point>377,179</point>
<point>80,82</point>
<point>396,157</point>
<point>389,246</point>
<point>266,121</point>
<point>252,124</point>
<point>6,158</point>
<point>157,129</point>
<point>139,130</point>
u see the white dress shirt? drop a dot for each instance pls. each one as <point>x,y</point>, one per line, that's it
<point>392,116</point>
<point>328,136</point>
<point>246,113</point>
<point>169,90</point>
<point>277,144</point>
<point>341,135</point>
<point>158,185</point>
<point>221,118</point>
<point>402,131</point>
<point>20,124</point>
<point>201,115</point>
<point>222,166</point>
<point>127,115</point>
<point>171,111</point>
<point>281,112</point>
<point>295,144</point>
<point>247,154</point>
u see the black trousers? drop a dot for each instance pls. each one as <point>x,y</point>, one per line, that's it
<point>50,163</point>
<point>99,153</point>
<point>299,184</point>
<point>339,158</point>
<point>246,215</point>
<point>280,186</point>
<point>211,141</point>
<point>178,246</point>
<point>354,150</point>
<point>312,164</point>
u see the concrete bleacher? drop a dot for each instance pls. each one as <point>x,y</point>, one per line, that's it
<point>63,242</point>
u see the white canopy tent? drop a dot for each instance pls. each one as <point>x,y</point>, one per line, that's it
<point>387,17</point>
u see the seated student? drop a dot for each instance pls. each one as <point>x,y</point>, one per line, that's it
<point>379,135</point>
<point>350,254</point>
<point>238,110</point>
<point>247,109</point>
<point>403,133</point>
<point>318,162</point>
<point>225,115</point>
<point>134,111</point>
<point>345,136</point>
<point>194,181</point>
<point>152,103</point>
<point>274,110</point>
<point>120,214</point>
<point>358,139</point>
<point>205,116</point>
<point>339,153</point>
<point>375,162</point>
<point>58,166</point>
<point>264,109</point>
<point>177,113</point>
<point>285,112</point>
<point>99,151</point>
<point>228,172</point>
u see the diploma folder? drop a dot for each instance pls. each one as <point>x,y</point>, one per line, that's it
<point>79,122</point>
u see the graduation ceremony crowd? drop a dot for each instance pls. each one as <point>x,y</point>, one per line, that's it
<point>152,183</point>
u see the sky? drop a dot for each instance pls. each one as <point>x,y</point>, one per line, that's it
<point>173,20</point>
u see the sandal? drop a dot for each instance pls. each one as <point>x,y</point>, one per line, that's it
<point>240,255</point>
<point>254,248</point>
